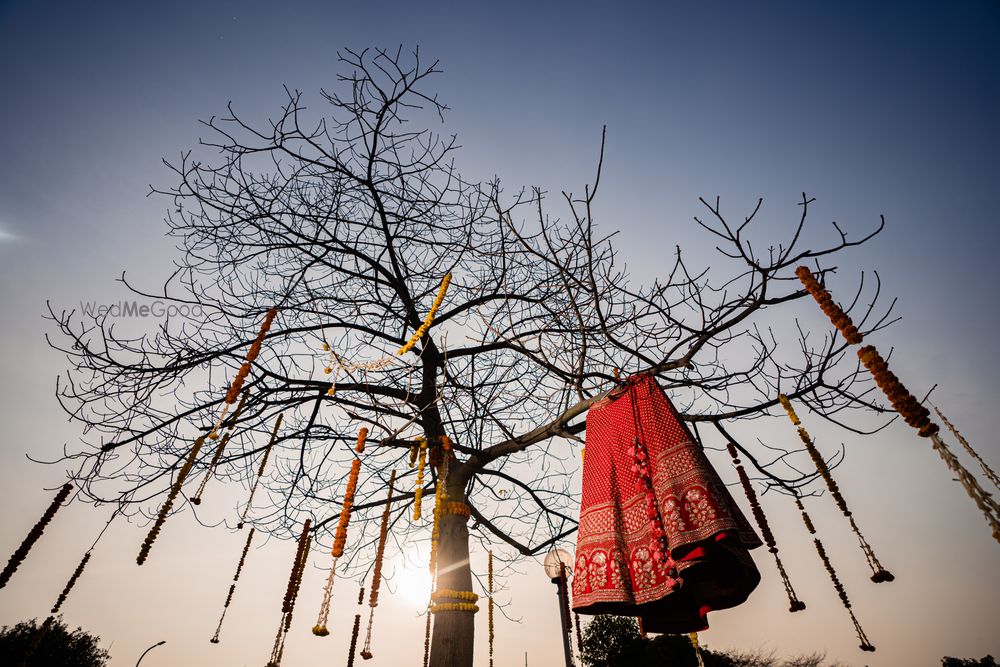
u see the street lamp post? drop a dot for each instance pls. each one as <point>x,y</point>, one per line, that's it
<point>556,562</point>
<point>159,643</point>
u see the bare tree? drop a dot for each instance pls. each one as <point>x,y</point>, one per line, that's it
<point>346,223</point>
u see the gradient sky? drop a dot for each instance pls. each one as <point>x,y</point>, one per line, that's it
<point>873,108</point>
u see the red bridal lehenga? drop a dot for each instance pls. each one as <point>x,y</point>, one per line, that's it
<point>659,536</point>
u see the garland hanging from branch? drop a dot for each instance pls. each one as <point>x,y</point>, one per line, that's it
<point>291,592</point>
<point>336,361</point>
<point>418,493</point>
<point>697,648</point>
<point>232,586</point>
<point>36,531</point>
<point>168,504</point>
<point>260,472</point>
<point>794,604</point>
<point>987,470</point>
<point>879,573</point>
<point>366,651</point>
<point>217,454</point>
<point>356,630</point>
<point>340,537</point>
<point>903,402</point>
<point>241,375</point>
<point>79,568</point>
<point>865,644</point>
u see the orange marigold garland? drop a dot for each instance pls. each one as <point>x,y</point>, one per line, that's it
<point>879,573</point>
<point>366,651</point>
<point>154,531</point>
<point>903,402</point>
<point>794,604</point>
<point>232,586</point>
<point>241,375</point>
<point>291,592</point>
<point>260,472</point>
<point>418,493</point>
<point>865,644</point>
<point>917,416</point>
<point>839,318</point>
<point>340,537</point>
<point>987,470</point>
<point>217,455</point>
<point>36,531</point>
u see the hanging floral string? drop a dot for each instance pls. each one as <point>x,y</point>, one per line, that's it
<point>260,472</point>
<point>794,604</point>
<point>341,364</point>
<point>489,606</point>
<point>918,417</point>
<point>366,651</point>
<point>429,320</point>
<point>79,568</point>
<point>217,454</point>
<point>879,573</point>
<point>987,470</point>
<point>697,648</point>
<point>36,531</point>
<point>903,402</point>
<point>232,586</point>
<point>865,644</point>
<point>154,531</point>
<point>836,314</point>
<point>241,375</point>
<point>340,537</point>
<point>356,630</point>
<point>418,493</point>
<point>291,592</point>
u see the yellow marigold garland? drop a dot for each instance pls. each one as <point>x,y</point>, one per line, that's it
<point>449,594</point>
<point>693,636</point>
<point>232,586</point>
<point>340,537</point>
<point>366,651</point>
<point>418,493</point>
<point>839,318</point>
<point>260,472</point>
<point>241,375</point>
<point>429,320</point>
<point>794,604</point>
<point>36,531</point>
<point>841,592</point>
<point>437,607</point>
<point>879,573</point>
<point>185,470</point>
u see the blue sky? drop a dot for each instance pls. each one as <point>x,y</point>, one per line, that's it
<point>873,108</point>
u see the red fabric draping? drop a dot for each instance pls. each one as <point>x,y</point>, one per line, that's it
<point>617,570</point>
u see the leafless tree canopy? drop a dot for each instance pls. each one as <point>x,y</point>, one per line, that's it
<point>346,217</point>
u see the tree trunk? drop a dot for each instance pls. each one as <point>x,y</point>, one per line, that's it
<point>454,631</point>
